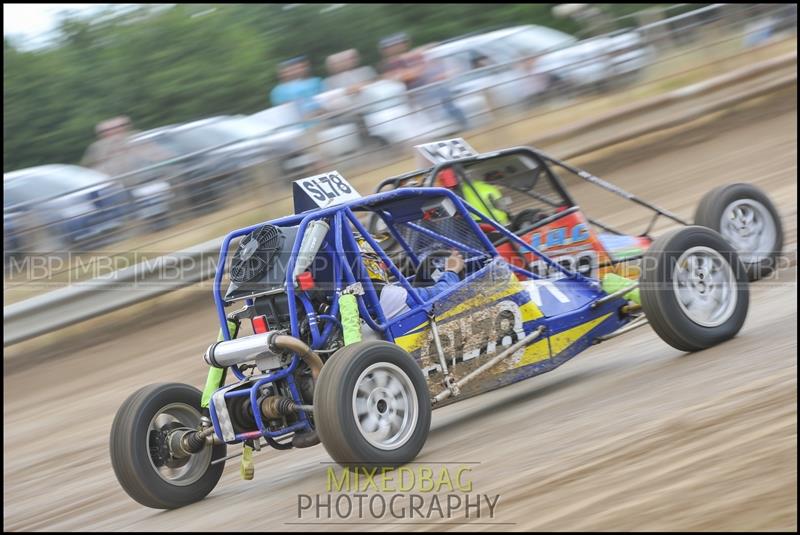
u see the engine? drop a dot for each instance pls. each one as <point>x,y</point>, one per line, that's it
<point>258,273</point>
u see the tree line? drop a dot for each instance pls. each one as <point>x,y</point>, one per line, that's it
<point>170,65</point>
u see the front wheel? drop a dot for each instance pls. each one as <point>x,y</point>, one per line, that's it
<point>746,217</point>
<point>140,453</point>
<point>372,406</point>
<point>694,289</point>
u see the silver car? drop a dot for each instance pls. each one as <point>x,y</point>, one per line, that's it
<point>282,130</point>
<point>62,208</point>
<point>394,116</point>
<point>515,65</point>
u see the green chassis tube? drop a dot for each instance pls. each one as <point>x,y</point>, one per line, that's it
<point>348,308</point>
<point>216,376</point>
<point>612,283</point>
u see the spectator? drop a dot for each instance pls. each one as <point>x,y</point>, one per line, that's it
<point>297,86</point>
<point>435,75</point>
<point>346,81</point>
<point>415,71</point>
<point>115,154</point>
<point>398,64</point>
<point>346,74</point>
<point>110,152</point>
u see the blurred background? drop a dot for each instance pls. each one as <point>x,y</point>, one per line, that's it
<point>138,132</point>
<point>132,120</point>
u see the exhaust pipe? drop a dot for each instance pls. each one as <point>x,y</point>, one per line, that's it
<point>290,343</point>
<point>260,346</point>
<point>268,345</point>
<point>239,350</point>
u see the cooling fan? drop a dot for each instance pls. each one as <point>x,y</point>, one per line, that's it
<point>255,254</point>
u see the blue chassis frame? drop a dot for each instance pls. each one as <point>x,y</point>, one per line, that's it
<point>344,276</point>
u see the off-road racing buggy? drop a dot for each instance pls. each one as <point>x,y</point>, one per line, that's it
<point>522,189</point>
<point>326,363</point>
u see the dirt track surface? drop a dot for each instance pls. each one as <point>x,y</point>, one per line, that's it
<point>631,435</point>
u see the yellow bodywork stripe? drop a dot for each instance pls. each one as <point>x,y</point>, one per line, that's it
<point>558,342</point>
<point>412,342</point>
<point>529,310</point>
<point>418,335</point>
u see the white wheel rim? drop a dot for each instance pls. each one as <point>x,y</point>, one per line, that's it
<point>749,226</point>
<point>385,406</point>
<point>705,286</point>
<point>179,472</point>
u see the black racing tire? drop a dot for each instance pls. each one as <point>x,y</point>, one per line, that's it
<point>659,293</point>
<point>130,452</point>
<point>334,413</point>
<point>713,207</point>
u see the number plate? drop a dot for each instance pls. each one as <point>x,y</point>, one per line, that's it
<point>327,189</point>
<point>446,150</point>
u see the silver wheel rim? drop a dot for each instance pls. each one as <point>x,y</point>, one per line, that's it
<point>705,286</point>
<point>749,226</point>
<point>179,472</point>
<point>385,406</point>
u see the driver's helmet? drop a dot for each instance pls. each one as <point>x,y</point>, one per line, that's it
<point>376,268</point>
<point>446,178</point>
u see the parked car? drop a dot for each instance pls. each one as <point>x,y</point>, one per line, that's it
<point>392,116</point>
<point>629,53</point>
<point>286,147</point>
<point>281,129</point>
<point>61,207</point>
<point>201,160</point>
<point>422,118</point>
<point>517,64</point>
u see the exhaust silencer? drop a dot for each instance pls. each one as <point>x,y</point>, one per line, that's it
<point>264,348</point>
<point>240,350</point>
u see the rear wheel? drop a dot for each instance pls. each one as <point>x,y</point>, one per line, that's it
<point>372,406</point>
<point>694,289</point>
<point>745,217</point>
<point>141,455</point>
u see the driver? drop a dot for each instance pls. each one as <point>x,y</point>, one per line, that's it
<point>395,299</point>
<point>481,196</point>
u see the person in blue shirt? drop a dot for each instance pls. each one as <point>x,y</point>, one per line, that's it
<point>297,86</point>
<point>395,299</point>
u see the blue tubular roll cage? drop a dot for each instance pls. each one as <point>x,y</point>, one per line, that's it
<point>339,217</point>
